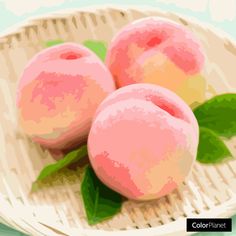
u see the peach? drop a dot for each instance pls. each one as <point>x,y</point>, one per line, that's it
<point>143,141</point>
<point>59,92</point>
<point>158,51</point>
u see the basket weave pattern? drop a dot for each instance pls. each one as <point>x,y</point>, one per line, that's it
<point>57,209</point>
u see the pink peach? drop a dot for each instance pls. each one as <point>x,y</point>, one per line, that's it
<point>143,141</point>
<point>158,51</point>
<point>58,93</point>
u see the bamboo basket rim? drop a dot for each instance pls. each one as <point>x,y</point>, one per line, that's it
<point>30,21</point>
<point>168,227</point>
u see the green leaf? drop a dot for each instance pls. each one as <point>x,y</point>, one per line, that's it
<point>69,158</point>
<point>211,148</point>
<point>218,114</point>
<point>98,47</point>
<point>53,42</point>
<point>7,231</point>
<point>100,202</point>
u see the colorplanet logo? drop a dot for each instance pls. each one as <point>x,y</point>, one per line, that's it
<point>209,225</point>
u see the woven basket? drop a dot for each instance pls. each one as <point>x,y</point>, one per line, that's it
<point>57,209</point>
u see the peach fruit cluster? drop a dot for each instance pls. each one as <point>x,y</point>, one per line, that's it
<point>143,137</point>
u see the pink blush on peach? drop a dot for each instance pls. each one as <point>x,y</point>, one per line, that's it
<point>70,56</point>
<point>150,138</point>
<point>58,94</point>
<point>158,51</point>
